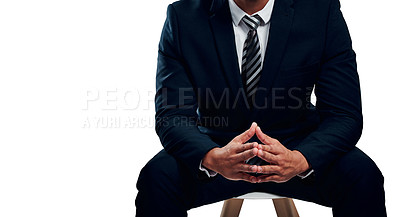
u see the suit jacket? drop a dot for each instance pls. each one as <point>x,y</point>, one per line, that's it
<point>200,103</point>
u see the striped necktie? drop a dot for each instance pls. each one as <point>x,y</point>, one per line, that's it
<point>251,61</point>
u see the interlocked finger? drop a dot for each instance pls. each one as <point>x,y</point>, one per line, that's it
<point>245,147</point>
<point>247,168</point>
<point>270,178</point>
<point>269,169</point>
<point>271,158</point>
<point>246,155</point>
<point>273,149</point>
<point>247,177</point>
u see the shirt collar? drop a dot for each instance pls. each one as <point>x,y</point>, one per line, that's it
<point>237,13</point>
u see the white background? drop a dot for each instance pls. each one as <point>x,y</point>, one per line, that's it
<point>56,160</point>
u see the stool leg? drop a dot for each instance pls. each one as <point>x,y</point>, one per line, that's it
<point>285,207</point>
<point>231,208</point>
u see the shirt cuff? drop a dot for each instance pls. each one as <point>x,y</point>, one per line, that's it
<point>307,173</point>
<point>209,173</point>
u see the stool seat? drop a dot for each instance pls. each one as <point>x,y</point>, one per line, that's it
<point>284,207</point>
<point>259,195</point>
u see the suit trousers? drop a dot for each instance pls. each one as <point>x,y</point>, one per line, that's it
<point>352,186</point>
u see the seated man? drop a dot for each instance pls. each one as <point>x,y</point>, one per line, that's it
<point>233,111</point>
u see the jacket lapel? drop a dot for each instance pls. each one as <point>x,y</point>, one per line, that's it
<point>221,25</point>
<point>281,22</point>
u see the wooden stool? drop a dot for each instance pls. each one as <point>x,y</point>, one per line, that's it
<point>284,207</point>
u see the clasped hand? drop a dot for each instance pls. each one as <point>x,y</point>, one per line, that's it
<point>229,161</point>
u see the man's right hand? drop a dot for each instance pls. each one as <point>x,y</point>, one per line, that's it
<point>229,161</point>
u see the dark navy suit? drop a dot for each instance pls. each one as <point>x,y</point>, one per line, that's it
<point>200,105</point>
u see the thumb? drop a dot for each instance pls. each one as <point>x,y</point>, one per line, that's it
<point>246,135</point>
<point>262,137</point>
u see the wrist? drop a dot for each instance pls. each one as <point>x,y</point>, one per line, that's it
<point>209,159</point>
<point>304,166</point>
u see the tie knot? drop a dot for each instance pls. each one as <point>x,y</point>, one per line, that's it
<point>252,22</point>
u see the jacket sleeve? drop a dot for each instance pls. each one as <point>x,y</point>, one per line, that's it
<point>176,102</point>
<point>338,98</point>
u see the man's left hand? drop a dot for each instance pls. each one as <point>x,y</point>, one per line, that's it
<point>284,163</point>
